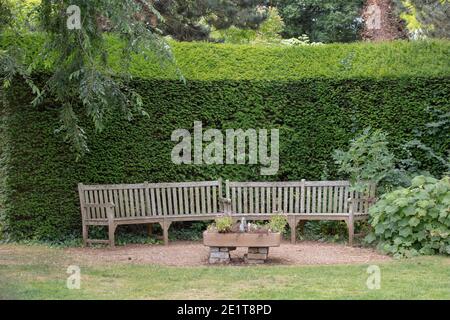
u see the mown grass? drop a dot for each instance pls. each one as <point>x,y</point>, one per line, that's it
<point>38,272</point>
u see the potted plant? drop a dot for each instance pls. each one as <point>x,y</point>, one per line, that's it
<point>223,236</point>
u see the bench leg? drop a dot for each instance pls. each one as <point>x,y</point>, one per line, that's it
<point>111,231</point>
<point>111,227</point>
<point>351,231</point>
<point>85,231</point>
<point>165,226</point>
<point>293,225</point>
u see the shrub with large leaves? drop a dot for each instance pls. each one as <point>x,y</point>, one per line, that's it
<point>414,220</point>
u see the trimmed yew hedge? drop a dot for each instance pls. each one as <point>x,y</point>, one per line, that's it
<point>318,96</point>
<point>315,116</point>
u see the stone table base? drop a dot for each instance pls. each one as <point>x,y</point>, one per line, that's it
<point>256,255</point>
<point>221,255</point>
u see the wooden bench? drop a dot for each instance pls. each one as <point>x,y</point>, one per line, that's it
<point>164,203</point>
<point>299,200</point>
<point>147,203</point>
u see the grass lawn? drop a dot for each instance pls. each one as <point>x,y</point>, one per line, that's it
<point>39,272</point>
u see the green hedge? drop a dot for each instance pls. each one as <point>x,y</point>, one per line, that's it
<point>315,116</point>
<point>206,61</point>
<point>318,96</point>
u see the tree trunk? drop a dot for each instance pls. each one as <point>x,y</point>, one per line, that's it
<point>382,22</point>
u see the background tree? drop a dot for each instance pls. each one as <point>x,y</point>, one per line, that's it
<point>14,21</point>
<point>188,20</point>
<point>269,31</point>
<point>381,21</point>
<point>82,81</point>
<point>321,20</point>
<point>432,15</point>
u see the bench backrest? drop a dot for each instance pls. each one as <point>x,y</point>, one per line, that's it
<point>306,197</point>
<point>151,199</point>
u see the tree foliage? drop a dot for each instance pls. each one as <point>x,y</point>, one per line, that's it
<point>82,80</point>
<point>269,31</point>
<point>12,55</point>
<point>321,20</point>
<point>433,16</point>
<point>189,20</point>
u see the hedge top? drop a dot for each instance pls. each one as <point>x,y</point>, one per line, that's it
<point>207,61</point>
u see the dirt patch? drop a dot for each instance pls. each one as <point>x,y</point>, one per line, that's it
<point>195,254</point>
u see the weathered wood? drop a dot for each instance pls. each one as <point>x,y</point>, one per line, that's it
<point>112,205</point>
<point>350,223</point>
<point>159,208</point>
<point>153,202</point>
<point>215,192</point>
<point>83,213</point>
<point>164,201</point>
<point>111,226</point>
<point>203,200</point>
<point>197,201</point>
<point>257,207</point>
<point>214,239</point>
<point>148,210</point>
<point>274,200</point>
<point>132,202</point>
<point>98,205</point>
<point>165,226</point>
<point>126,201</point>
<point>245,198</point>
<point>101,210</point>
<point>208,199</point>
<point>191,200</point>
<point>330,199</point>
<point>341,199</point>
<point>263,204</point>
<point>297,206</point>
<point>291,200</point>
<point>319,199</point>
<point>292,220</point>
<point>180,200</point>
<point>186,200</point>
<point>169,201</point>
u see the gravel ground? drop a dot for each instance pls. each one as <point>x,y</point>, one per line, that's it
<point>182,253</point>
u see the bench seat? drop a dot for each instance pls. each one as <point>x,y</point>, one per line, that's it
<point>164,203</point>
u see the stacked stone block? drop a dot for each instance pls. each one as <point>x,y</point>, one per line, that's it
<point>219,255</point>
<point>256,255</point>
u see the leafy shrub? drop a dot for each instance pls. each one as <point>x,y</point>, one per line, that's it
<point>277,223</point>
<point>367,159</point>
<point>188,230</point>
<point>414,220</point>
<point>223,224</point>
<point>330,231</point>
